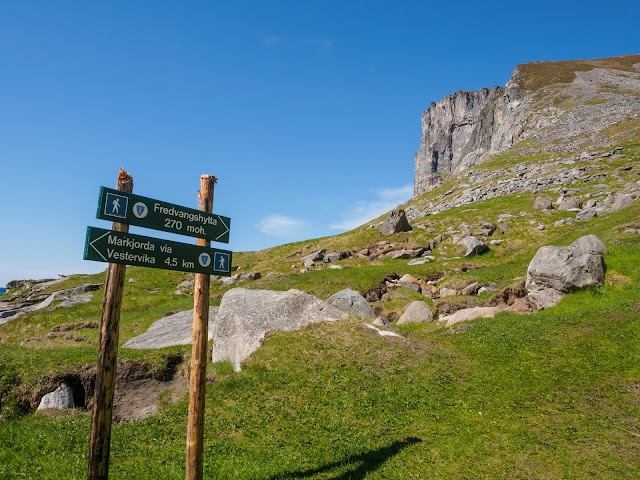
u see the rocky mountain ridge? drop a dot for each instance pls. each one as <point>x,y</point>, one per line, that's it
<point>468,128</point>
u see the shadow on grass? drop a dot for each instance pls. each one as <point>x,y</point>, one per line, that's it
<point>363,464</point>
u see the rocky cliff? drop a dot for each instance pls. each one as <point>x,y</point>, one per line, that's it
<point>569,101</point>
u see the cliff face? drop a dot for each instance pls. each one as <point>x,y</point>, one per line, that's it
<point>463,129</point>
<point>560,104</point>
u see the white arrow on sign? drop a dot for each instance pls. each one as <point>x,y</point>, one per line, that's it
<point>93,246</point>
<point>226,226</point>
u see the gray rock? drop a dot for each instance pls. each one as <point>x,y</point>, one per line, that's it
<point>395,222</point>
<point>381,322</point>
<point>448,292</point>
<point>471,289</point>
<point>308,260</point>
<point>469,314</point>
<point>571,203</point>
<point>352,303</point>
<point>245,316</point>
<point>543,203</point>
<point>555,271</point>
<point>176,329</point>
<point>473,246</point>
<point>418,261</point>
<point>60,399</point>
<point>75,299</point>
<point>333,257</point>
<point>240,277</point>
<point>188,284</point>
<point>416,312</point>
<point>589,244</point>
<point>587,214</point>
<point>622,200</point>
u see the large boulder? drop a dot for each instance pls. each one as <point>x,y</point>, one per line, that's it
<point>245,316</point>
<point>176,329</point>
<point>352,303</point>
<point>60,399</point>
<point>416,312</point>
<point>555,271</point>
<point>473,246</point>
<point>395,222</point>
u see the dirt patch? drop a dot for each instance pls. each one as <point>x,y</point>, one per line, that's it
<point>138,394</point>
<point>636,307</point>
<point>74,326</point>
<point>141,398</point>
<point>453,304</point>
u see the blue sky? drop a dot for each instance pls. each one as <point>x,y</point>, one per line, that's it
<point>307,112</point>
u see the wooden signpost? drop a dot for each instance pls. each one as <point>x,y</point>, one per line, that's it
<point>120,248</point>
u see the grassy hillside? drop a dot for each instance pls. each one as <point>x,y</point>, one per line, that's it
<point>554,394</point>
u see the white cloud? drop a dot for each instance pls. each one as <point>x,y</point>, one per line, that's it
<point>283,227</point>
<point>366,210</point>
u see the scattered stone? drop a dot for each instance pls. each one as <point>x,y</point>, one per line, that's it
<point>496,242</point>
<point>503,228</point>
<point>245,316</point>
<point>308,260</point>
<point>352,303</point>
<point>571,203</point>
<point>382,322</point>
<point>587,214</point>
<point>419,261</point>
<point>187,284</point>
<point>333,257</point>
<point>74,300</point>
<point>543,203</point>
<point>239,277</point>
<point>621,200</point>
<point>469,314</point>
<point>395,222</point>
<point>416,312</point>
<point>471,289</point>
<point>448,292</point>
<point>473,246</point>
<point>59,399</point>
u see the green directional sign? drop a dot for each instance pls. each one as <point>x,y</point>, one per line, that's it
<point>129,249</point>
<point>124,207</point>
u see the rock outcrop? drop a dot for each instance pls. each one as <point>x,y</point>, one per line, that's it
<point>555,271</point>
<point>395,222</point>
<point>466,128</point>
<point>176,329</point>
<point>245,316</point>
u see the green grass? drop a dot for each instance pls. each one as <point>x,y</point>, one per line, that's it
<point>538,75</point>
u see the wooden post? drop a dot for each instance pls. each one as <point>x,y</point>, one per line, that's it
<point>100,439</point>
<point>198,373</point>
